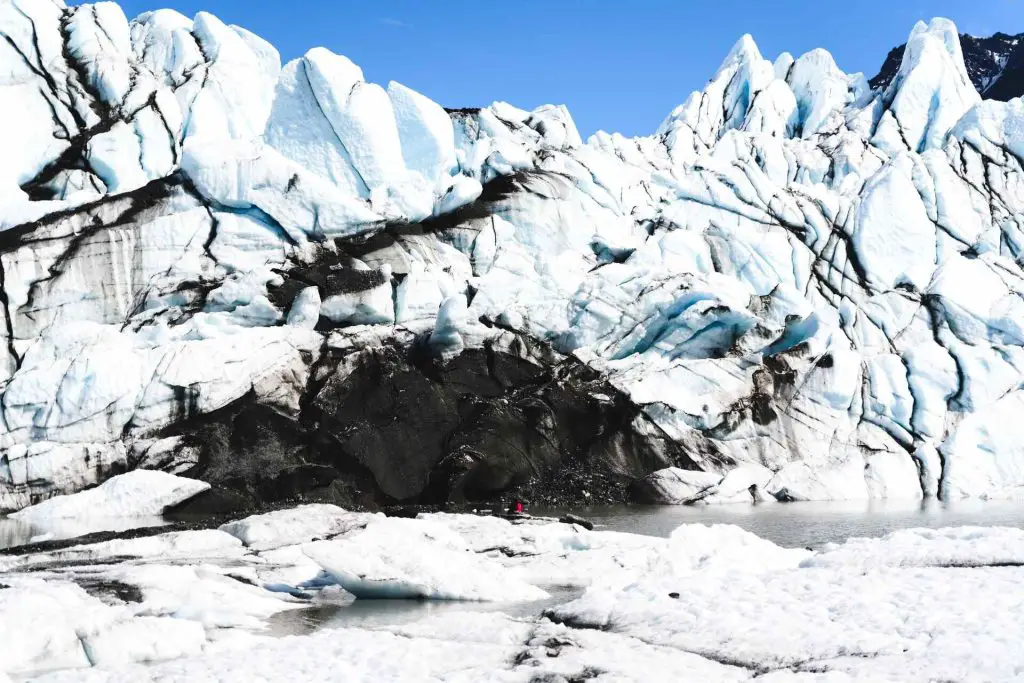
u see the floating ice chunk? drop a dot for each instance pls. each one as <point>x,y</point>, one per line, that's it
<point>868,617</point>
<point>39,620</point>
<point>143,639</point>
<point>952,547</point>
<point>177,545</point>
<point>404,559</point>
<point>689,608</point>
<point>140,493</point>
<point>723,547</point>
<point>546,554</point>
<point>566,652</point>
<point>293,526</point>
<point>447,647</point>
<point>207,594</point>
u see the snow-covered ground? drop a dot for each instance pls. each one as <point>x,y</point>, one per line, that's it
<point>710,603</point>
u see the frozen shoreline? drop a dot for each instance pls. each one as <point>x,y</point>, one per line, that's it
<point>709,603</point>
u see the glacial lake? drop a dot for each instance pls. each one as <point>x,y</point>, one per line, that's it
<point>796,525</point>
<point>14,533</point>
<point>808,525</point>
<point>793,525</point>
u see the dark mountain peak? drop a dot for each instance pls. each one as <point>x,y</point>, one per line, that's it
<point>994,63</point>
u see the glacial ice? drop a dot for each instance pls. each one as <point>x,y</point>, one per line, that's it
<point>673,486</point>
<point>708,603</point>
<point>898,608</point>
<point>295,525</point>
<point>398,559</point>
<point>141,493</point>
<point>795,275</point>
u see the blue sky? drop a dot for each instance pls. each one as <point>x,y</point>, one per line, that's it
<point>619,65</point>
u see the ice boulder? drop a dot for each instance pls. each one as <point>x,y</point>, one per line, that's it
<point>951,547</point>
<point>410,559</point>
<point>295,525</point>
<point>141,493</point>
<point>869,610</point>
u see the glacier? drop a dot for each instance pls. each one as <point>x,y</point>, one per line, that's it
<point>287,281</point>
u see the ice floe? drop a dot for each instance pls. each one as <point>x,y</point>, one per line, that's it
<point>708,603</point>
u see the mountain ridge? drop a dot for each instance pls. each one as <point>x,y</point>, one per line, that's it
<point>994,63</point>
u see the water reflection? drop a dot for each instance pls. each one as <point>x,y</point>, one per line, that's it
<point>379,613</point>
<point>808,524</point>
<point>14,533</point>
<point>789,524</point>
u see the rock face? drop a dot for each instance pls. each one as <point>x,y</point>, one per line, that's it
<point>388,421</point>
<point>289,282</point>
<point>995,65</point>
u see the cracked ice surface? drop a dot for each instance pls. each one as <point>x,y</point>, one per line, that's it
<point>795,275</point>
<point>708,603</point>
